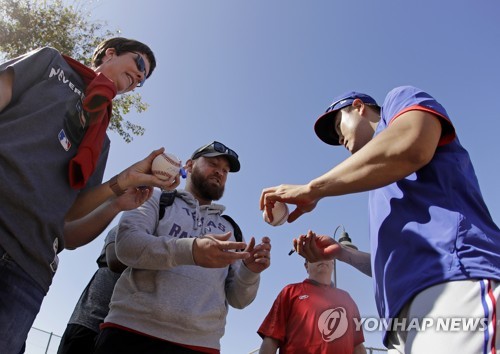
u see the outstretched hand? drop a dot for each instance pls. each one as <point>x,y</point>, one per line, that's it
<point>140,174</point>
<point>300,195</point>
<point>260,255</point>
<point>133,198</point>
<point>316,248</point>
<point>215,251</point>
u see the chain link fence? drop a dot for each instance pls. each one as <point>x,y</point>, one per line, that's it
<point>43,342</point>
<point>370,350</point>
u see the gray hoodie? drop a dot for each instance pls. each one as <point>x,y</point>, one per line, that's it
<point>163,293</point>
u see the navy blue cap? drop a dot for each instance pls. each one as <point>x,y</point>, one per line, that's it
<point>324,126</point>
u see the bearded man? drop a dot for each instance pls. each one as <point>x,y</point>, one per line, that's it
<point>181,275</point>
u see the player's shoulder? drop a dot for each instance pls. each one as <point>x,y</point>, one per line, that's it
<point>295,287</point>
<point>341,292</point>
<point>111,236</point>
<point>48,49</point>
<point>403,97</point>
<point>42,56</point>
<point>401,93</point>
<point>45,52</point>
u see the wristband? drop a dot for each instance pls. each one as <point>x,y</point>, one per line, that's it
<point>115,187</point>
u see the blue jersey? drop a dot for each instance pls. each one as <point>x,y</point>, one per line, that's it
<point>432,226</point>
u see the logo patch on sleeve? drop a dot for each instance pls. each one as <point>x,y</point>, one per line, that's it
<point>66,144</point>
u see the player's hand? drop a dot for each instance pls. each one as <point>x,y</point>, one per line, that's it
<point>316,248</point>
<point>133,198</point>
<point>300,195</point>
<point>260,255</point>
<point>139,174</point>
<point>215,251</point>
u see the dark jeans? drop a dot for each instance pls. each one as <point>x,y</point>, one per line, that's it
<point>20,301</point>
<point>117,341</point>
<point>77,339</point>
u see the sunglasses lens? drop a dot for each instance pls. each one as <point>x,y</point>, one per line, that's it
<point>219,147</point>
<point>141,66</point>
<point>140,63</point>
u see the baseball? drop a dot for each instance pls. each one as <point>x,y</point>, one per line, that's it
<point>280,214</point>
<point>166,166</point>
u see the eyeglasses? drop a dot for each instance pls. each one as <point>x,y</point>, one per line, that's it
<point>219,147</point>
<point>141,66</point>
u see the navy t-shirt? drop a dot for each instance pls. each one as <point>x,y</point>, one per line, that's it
<point>40,131</point>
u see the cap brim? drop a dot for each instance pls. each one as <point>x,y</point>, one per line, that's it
<point>234,164</point>
<point>325,129</point>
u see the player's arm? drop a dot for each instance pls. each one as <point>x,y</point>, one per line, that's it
<point>139,174</point>
<point>80,231</point>
<point>269,346</point>
<point>356,258</point>
<point>407,145</point>
<point>317,248</point>
<point>6,82</point>
<point>96,207</point>
<point>359,349</point>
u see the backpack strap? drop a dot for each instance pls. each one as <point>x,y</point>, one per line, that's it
<point>238,235</point>
<point>166,199</point>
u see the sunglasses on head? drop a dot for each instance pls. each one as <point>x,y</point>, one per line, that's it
<point>219,147</point>
<point>141,66</point>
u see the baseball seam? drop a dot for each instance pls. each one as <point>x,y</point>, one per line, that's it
<point>163,173</point>
<point>175,163</point>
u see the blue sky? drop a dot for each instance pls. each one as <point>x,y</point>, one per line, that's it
<point>255,75</point>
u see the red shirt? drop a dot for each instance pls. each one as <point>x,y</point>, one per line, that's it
<point>313,318</point>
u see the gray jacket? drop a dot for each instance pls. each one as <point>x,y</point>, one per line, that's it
<point>163,293</point>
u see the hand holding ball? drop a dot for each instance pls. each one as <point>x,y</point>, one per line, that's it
<point>279,212</point>
<point>166,166</point>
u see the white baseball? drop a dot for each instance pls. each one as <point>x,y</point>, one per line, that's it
<point>166,166</point>
<point>279,212</point>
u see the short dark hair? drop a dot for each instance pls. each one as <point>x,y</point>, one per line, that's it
<point>122,45</point>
